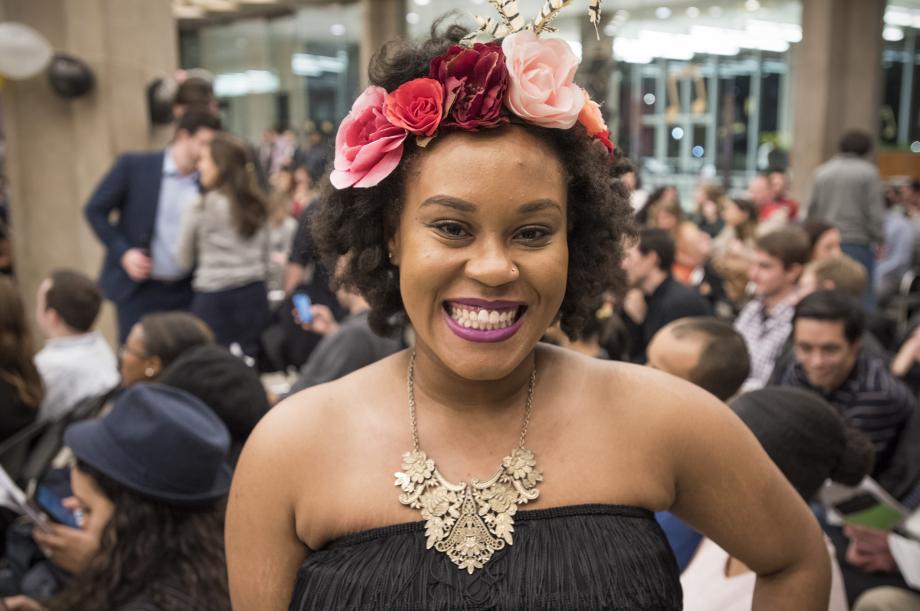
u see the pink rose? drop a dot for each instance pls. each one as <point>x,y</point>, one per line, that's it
<point>591,117</point>
<point>542,90</point>
<point>367,146</point>
<point>416,106</point>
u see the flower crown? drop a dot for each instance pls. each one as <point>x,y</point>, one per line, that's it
<point>473,86</point>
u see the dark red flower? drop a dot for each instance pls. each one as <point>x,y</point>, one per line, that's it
<point>416,106</point>
<point>475,80</point>
<point>604,137</point>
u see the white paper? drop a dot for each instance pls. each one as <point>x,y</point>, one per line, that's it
<point>13,497</point>
<point>906,554</point>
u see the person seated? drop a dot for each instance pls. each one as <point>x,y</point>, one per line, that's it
<point>830,359</point>
<point>825,240</point>
<point>150,480</point>
<point>765,322</point>
<point>779,187</point>
<point>810,442</point>
<point>655,298</point>
<point>829,273</point>
<point>21,388</point>
<point>76,362</point>
<point>712,355</point>
<point>598,333</point>
<point>772,215</point>
<point>156,341</point>
<point>897,255</point>
<point>224,383</point>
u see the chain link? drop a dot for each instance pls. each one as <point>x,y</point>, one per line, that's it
<point>413,418</point>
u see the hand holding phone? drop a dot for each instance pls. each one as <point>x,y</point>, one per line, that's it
<point>304,307</point>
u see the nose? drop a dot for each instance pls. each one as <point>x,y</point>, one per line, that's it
<point>491,264</point>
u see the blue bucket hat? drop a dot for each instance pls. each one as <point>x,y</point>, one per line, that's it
<point>160,442</point>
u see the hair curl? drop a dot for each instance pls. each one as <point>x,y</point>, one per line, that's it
<point>172,557</point>
<point>359,222</point>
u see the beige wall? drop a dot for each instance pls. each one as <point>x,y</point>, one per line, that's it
<point>57,149</point>
<point>382,20</point>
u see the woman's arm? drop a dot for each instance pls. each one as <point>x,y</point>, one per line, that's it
<point>263,548</point>
<point>730,490</point>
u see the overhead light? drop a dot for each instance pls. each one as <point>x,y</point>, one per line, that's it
<point>752,5</point>
<point>892,33</point>
<point>423,2</point>
<point>244,83</point>
<point>218,6</point>
<point>412,18</point>
<point>693,12</point>
<point>662,12</point>
<point>715,11</point>
<point>899,17</point>
<point>337,29</point>
<point>308,64</point>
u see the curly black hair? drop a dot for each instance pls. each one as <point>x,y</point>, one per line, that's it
<point>359,222</point>
<point>170,557</point>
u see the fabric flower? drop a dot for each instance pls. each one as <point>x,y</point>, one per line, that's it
<point>604,138</point>
<point>541,88</point>
<point>367,146</point>
<point>475,82</point>
<point>591,117</point>
<point>416,106</point>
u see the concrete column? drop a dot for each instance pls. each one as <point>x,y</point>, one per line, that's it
<point>382,20</point>
<point>57,149</point>
<point>837,71</point>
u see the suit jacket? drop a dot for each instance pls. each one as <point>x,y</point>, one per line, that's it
<point>132,187</point>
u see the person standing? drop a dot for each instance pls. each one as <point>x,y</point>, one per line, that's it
<point>224,237</point>
<point>847,193</point>
<point>150,191</point>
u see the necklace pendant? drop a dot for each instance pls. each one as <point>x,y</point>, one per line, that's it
<point>470,544</point>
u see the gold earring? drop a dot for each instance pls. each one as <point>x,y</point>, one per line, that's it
<point>149,372</point>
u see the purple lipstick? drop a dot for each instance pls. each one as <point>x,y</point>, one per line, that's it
<point>478,320</point>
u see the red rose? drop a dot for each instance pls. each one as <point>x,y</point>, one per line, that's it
<point>604,137</point>
<point>416,106</point>
<point>475,81</point>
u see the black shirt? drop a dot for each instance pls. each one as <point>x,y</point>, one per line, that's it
<point>667,303</point>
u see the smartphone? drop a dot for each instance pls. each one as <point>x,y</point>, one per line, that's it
<point>303,304</point>
<point>51,504</point>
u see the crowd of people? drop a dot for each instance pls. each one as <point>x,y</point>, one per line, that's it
<point>782,310</point>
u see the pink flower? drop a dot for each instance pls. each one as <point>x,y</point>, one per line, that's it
<point>416,106</point>
<point>475,81</point>
<point>367,146</point>
<point>591,117</point>
<point>542,90</point>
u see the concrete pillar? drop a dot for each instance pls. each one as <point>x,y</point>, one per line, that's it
<point>382,20</point>
<point>57,149</point>
<point>837,71</point>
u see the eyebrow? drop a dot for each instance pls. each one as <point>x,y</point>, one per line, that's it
<point>465,206</point>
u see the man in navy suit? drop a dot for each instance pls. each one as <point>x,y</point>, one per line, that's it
<point>149,191</point>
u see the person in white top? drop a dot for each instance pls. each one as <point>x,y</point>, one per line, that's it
<point>810,442</point>
<point>76,362</point>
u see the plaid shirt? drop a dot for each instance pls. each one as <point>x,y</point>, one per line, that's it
<point>765,333</point>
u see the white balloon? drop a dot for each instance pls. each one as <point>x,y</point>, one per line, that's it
<point>23,51</point>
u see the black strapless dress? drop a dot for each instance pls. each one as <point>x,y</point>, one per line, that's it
<point>578,558</point>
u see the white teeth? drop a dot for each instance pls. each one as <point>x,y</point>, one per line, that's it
<point>483,316</point>
<point>482,319</point>
<point>494,317</point>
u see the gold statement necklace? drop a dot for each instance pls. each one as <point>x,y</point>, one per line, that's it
<point>472,520</point>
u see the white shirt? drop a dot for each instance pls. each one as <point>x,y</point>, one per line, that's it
<point>707,588</point>
<point>74,368</point>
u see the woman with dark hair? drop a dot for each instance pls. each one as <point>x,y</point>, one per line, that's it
<point>150,480</point>
<point>733,249</point>
<point>471,195</point>
<point>21,389</point>
<point>156,341</point>
<point>825,240</point>
<point>225,238</point>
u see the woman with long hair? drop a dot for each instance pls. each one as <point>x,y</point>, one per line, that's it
<point>150,480</point>
<point>225,238</point>
<point>732,250</point>
<point>156,341</point>
<point>21,389</point>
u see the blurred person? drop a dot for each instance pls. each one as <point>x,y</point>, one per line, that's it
<point>21,388</point>
<point>830,359</point>
<point>666,214</point>
<point>224,238</point>
<point>809,442</point>
<point>286,150</point>
<point>150,479</point>
<point>655,298</point>
<point>150,192</point>
<point>732,251</point>
<point>824,239</point>
<point>833,273</point>
<point>267,152</point>
<point>158,340</point>
<point>896,257</point>
<point>629,175</point>
<point>592,340</point>
<point>304,193</point>
<point>76,362</point>
<point>779,189</point>
<point>282,227</point>
<point>316,155</point>
<point>846,192</point>
<point>766,321</point>
<point>888,598</point>
<point>225,384</point>
<point>770,216</point>
<point>195,93</point>
<point>708,198</point>
<point>666,197</point>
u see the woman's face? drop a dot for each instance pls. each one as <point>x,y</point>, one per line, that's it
<point>827,246</point>
<point>732,214</point>
<point>482,251</point>
<point>208,172</point>
<point>96,507</point>
<point>666,219</point>
<point>135,363</point>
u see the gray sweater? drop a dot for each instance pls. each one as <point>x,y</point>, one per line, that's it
<point>210,243</point>
<point>847,193</point>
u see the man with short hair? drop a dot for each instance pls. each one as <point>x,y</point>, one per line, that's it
<point>704,351</point>
<point>833,273</point>
<point>654,298</point>
<point>150,192</point>
<point>766,321</point>
<point>76,362</point>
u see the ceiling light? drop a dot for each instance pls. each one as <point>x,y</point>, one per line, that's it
<point>715,11</point>
<point>662,12</point>
<point>693,12</point>
<point>423,2</point>
<point>892,34</point>
<point>412,18</point>
<point>337,29</point>
<point>752,5</point>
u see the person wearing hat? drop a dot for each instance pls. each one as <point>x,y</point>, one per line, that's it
<point>150,479</point>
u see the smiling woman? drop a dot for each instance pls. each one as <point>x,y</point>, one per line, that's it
<point>483,217</point>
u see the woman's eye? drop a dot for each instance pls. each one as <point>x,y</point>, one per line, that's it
<point>451,230</point>
<point>533,234</point>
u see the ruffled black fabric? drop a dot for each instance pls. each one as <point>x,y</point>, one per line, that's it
<point>579,558</point>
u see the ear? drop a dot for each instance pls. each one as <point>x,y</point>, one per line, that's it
<point>154,362</point>
<point>394,247</point>
<point>794,273</point>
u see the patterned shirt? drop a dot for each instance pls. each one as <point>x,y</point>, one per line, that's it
<point>765,333</point>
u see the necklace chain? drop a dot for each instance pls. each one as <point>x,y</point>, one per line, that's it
<point>413,418</point>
